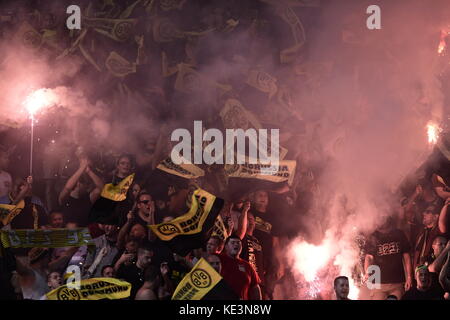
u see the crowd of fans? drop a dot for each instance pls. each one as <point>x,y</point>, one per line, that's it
<point>125,248</point>
<point>410,248</point>
<point>176,74</point>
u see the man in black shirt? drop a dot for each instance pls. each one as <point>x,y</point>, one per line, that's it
<point>389,249</point>
<point>267,231</point>
<point>424,289</point>
<point>252,251</point>
<point>79,194</point>
<point>134,273</point>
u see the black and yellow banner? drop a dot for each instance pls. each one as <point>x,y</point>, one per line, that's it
<point>190,223</point>
<point>43,238</point>
<point>102,211</point>
<point>219,229</point>
<point>8,211</point>
<point>197,283</point>
<point>116,29</point>
<point>93,289</point>
<point>262,81</point>
<point>262,225</point>
<point>192,229</point>
<point>28,36</point>
<point>285,171</point>
<point>189,80</point>
<point>235,116</point>
<point>119,191</point>
<point>118,65</point>
<point>188,171</point>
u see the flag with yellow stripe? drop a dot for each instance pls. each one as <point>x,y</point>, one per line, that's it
<point>203,283</point>
<point>8,212</point>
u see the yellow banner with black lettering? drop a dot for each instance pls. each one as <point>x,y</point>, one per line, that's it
<point>197,283</point>
<point>285,171</point>
<point>119,191</point>
<point>117,29</point>
<point>93,289</point>
<point>43,238</point>
<point>219,229</point>
<point>8,211</point>
<point>235,116</point>
<point>188,171</point>
<point>189,223</point>
<point>118,65</point>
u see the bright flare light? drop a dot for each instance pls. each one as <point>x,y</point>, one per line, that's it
<point>37,100</point>
<point>442,43</point>
<point>309,258</point>
<point>433,133</point>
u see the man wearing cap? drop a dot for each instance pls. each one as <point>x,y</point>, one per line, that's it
<point>424,290</point>
<point>423,247</point>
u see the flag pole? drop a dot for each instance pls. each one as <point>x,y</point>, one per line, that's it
<point>31,144</point>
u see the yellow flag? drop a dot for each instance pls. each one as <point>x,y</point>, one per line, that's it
<point>165,31</point>
<point>46,238</point>
<point>219,229</point>
<point>28,36</point>
<point>9,212</point>
<point>190,223</point>
<point>116,29</point>
<point>93,289</point>
<point>235,116</point>
<point>285,171</point>
<point>188,171</point>
<point>167,5</point>
<point>189,80</point>
<point>119,66</point>
<point>197,283</point>
<point>262,81</point>
<point>298,33</point>
<point>119,191</point>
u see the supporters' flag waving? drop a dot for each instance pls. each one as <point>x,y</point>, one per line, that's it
<point>92,289</point>
<point>9,212</point>
<point>191,230</point>
<point>119,191</point>
<point>103,208</point>
<point>219,229</point>
<point>45,238</point>
<point>203,283</point>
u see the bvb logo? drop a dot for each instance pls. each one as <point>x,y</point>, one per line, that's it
<point>65,293</point>
<point>123,30</point>
<point>200,278</point>
<point>168,229</point>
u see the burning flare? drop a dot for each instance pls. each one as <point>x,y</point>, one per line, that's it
<point>309,258</point>
<point>433,132</point>
<point>38,100</point>
<point>442,43</point>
